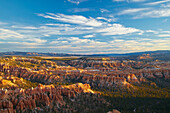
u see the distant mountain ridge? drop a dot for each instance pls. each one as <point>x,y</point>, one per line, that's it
<point>92,55</point>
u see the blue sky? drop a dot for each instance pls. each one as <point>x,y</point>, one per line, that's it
<point>84,26</point>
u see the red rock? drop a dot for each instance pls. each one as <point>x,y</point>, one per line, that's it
<point>114,111</point>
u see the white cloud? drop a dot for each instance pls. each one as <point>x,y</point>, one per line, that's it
<point>138,0</point>
<point>24,44</point>
<point>59,42</point>
<point>76,1</point>
<point>157,2</point>
<point>6,34</point>
<point>37,37</point>
<point>85,25</point>
<point>103,10</point>
<point>149,12</point>
<point>154,13</point>
<point>133,10</point>
<point>79,43</point>
<point>102,18</point>
<point>117,29</point>
<point>166,31</point>
<point>142,45</point>
<point>90,46</point>
<point>3,23</point>
<point>76,10</point>
<point>165,5</point>
<point>165,41</point>
<point>60,25</point>
<point>74,19</point>
<point>24,27</point>
<point>37,40</point>
<point>164,35</point>
<point>118,0</point>
<point>128,0</point>
<point>110,19</point>
<point>88,36</point>
<point>152,31</point>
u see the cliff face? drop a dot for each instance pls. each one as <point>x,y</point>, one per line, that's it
<point>43,96</point>
<point>98,78</point>
<point>85,88</point>
<point>17,95</point>
<point>11,81</point>
<point>6,107</point>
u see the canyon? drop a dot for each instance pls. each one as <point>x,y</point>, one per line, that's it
<point>34,84</point>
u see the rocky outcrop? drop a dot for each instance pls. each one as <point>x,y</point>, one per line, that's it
<point>43,96</point>
<point>79,87</point>
<point>99,73</point>
<point>95,78</point>
<point>114,111</point>
<point>6,106</point>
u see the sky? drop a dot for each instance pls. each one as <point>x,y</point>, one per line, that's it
<point>84,26</point>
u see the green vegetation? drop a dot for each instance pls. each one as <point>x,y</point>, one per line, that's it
<point>88,103</point>
<point>27,84</point>
<point>38,63</point>
<point>140,105</point>
<point>37,58</point>
<point>139,99</point>
<point>19,63</point>
<point>54,58</point>
<point>20,83</point>
<point>62,59</point>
